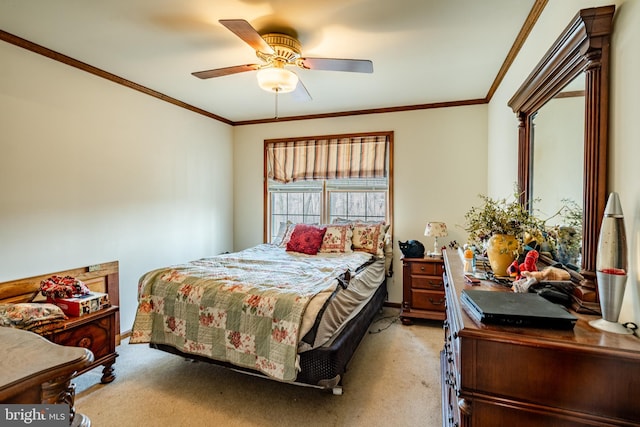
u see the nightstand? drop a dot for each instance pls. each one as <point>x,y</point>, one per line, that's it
<point>94,331</point>
<point>422,289</point>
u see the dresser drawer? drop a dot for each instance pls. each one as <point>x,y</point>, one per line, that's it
<point>427,300</point>
<point>427,268</point>
<point>427,282</point>
<point>95,336</point>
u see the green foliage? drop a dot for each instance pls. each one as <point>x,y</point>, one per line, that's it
<point>501,216</point>
<point>565,237</point>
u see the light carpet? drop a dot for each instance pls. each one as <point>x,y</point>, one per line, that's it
<point>392,380</point>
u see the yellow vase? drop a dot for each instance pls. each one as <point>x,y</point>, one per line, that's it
<point>502,249</point>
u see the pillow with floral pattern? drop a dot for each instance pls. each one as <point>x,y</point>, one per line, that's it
<point>306,239</point>
<point>25,315</point>
<point>369,238</point>
<point>337,239</point>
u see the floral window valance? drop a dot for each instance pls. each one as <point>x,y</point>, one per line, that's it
<point>331,158</point>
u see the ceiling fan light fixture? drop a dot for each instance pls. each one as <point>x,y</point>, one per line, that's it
<point>277,79</point>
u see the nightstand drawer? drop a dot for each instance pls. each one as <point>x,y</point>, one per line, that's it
<point>427,268</point>
<point>427,300</point>
<point>427,282</point>
<point>95,336</point>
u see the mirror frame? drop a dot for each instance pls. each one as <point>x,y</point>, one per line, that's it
<point>583,46</point>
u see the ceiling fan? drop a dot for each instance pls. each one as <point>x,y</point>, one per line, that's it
<point>278,50</point>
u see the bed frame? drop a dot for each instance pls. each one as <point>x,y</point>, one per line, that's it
<point>323,367</point>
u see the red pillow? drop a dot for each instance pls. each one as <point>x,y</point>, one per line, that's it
<point>306,239</point>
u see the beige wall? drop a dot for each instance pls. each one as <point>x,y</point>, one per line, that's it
<point>439,169</point>
<point>91,171</point>
<point>624,173</point>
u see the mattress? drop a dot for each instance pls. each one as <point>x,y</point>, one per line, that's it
<point>327,314</point>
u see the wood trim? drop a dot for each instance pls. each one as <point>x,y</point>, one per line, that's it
<point>388,133</point>
<point>583,46</point>
<point>363,112</point>
<point>56,56</point>
<point>570,94</point>
<point>529,23</point>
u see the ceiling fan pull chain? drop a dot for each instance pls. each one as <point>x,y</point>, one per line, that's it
<point>276,102</point>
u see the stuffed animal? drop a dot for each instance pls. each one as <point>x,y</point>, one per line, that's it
<point>411,249</point>
<point>516,270</point>
<point>529,264</point>
<point>548,273</point>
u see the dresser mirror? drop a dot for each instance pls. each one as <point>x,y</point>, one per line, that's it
<point>558,153</point>
<point>579,57</point>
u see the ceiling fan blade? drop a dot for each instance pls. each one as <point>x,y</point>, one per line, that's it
<point>246,32</point>
<point>301,93</point>
<point>332,64</point>
<point>219,72</point>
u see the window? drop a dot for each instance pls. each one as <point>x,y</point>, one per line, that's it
<point>316,180</point>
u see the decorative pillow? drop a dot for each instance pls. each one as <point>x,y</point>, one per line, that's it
<point>282,230</point>
<point>339,220</point>
<point>388,252</point>
<point>337,239</point>
<point>306,239</point>
<point>287,234</point>
<point>369,238</point>
<point>25,315</point>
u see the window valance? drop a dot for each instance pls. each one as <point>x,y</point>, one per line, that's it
<point>332,158</point>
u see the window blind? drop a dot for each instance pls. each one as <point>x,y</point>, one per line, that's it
<point>355,157</point>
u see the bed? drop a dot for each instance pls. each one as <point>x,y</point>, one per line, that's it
<point>276,310</point>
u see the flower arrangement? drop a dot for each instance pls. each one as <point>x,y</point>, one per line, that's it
<point>501,216</point>
<point>62,287</point>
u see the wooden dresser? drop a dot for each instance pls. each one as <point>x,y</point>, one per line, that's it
<point>422,289</point>
<point>525,377</point>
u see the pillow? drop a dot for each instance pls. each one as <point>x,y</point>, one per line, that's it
<point>388,253</point>
<point>25,315</point>
<point>287,234</point>
<point>339,220</point>
<point>306,239</point>
<point>282,231</point>
<point>337,239</point>
<point>369,238</point>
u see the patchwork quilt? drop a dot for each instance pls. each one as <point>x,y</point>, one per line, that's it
<point>245,308</point>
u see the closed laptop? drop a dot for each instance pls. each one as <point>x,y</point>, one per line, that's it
<point>516,309</point>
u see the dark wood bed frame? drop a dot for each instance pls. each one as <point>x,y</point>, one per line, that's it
<point>323,367</point>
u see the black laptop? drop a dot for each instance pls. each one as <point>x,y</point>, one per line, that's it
<point>516,309</point>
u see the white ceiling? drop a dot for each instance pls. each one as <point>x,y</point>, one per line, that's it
<point>423,51</point>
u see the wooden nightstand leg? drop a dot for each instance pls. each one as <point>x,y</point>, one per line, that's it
<point>406,321</point>
<point>107,373</point>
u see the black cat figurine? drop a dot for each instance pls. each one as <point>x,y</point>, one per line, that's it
<point>411,249</point>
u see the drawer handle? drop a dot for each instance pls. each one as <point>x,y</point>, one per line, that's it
<point>436,302</point>
<point>433,284</point>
